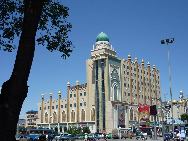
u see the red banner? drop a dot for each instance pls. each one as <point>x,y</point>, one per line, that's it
<point>144,112</point>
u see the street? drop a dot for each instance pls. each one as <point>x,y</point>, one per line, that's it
<point>128,139</point>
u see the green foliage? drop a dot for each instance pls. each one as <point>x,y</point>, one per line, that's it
<point>29,127</point>
<point>73,131</point>
<point>55,133</point>
<point>184,117</point>
<point>53,26</point>
<point>65,129</point>
<point>86,130</point>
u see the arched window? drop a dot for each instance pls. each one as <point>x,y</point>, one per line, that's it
<point>54,117</point>
<point>93,114</point>
<point>82,115</point>
<point>72,116</point>
<point>131,114</point>
<point>63,116</point>
<point>46,118</point>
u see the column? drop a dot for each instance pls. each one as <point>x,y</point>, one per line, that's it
<point>155,84</point>
<point>50,108</point>
<point>68,101</point>
<point>143,78</point>
<point>149,83</point>
<point>137,83</point>
<point>77,93</point>
<point>59,111</point>
<point>130,80</point>
<point>42,108</point>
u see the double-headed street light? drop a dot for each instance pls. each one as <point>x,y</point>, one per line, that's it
<point>163,42</point>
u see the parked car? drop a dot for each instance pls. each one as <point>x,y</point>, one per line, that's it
<point>82,136</point>
<point>68,137</point>
<point>57,137</point>
<point>99,135</point>
<point>109,136</point>
<point>41,138</point>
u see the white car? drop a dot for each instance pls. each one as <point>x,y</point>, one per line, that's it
<point>57,137</point>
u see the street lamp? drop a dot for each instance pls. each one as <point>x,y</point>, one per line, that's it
<point>163,42</point>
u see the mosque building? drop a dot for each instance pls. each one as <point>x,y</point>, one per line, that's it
<point>115,88</point>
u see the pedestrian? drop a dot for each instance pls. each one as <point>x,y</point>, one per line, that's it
<point>85,136</point>
<point>104,136</point>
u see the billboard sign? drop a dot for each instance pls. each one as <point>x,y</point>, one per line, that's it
<point>144,112</point>
<point>153,110</point>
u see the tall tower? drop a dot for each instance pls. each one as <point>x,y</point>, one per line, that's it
<point>106,75</point>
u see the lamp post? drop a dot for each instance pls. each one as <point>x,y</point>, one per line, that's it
<point>163,42</point>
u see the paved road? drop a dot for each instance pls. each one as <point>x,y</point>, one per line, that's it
<point>128,139</point>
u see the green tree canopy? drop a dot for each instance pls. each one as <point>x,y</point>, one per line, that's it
<point>52,27</point>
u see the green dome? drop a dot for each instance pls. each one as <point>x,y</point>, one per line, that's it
<point>102,37</point>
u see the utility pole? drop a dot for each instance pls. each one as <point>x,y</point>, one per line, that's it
<point>163,42</point>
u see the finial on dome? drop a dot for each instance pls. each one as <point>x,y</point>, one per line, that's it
<point>148,64</point>
<point>142,62</point>
<point>59,93</point>
<point>129,57</point>
<point>42,95</point>
<point>153,66</point>
<point>77,82</point>
<point>50,94</point>
<point>68,84</point>
<point>136,59</point>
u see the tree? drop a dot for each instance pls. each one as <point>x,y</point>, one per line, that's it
<point>73,131</point>
<point>184,117</point>
<point>26,18</point>
<point>86,130</point>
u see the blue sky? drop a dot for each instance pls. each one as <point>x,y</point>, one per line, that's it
<point>134,28</point>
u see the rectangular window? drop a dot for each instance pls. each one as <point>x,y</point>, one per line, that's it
<point>70,95</point>
<point>127,67</point>
<point>70,105</point>
<point>124,72</point>
<point>80,104</point>
<point>125,93</point>
<point>128,85</point>
<point>84,103</point>
<point>124,84</point>
<point>74,95</point>
<point>65,105</point>
<point>134,69</point>
<point>142,96</point>
<point>40,108</point>
<point>61,106</point>
<point>74,104</point>
<point>139,96</point>
<point>131,68</point>
<point>138,70</point>
<point>128,94</point>
<point>44,107</point>
<point>135,87</point>
<point>56,106</point>
<point>141,71</point>
<point>52,107</point>
<point>48,107</point>
<point>80,94</point>
<point>84,93</point>
<point>141,77</point>
<point>127,73</point>
<point>135,95</point>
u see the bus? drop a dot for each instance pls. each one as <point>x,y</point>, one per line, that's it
<point>32,133</point>
<point>119,133</point>
<point>147,130</point>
